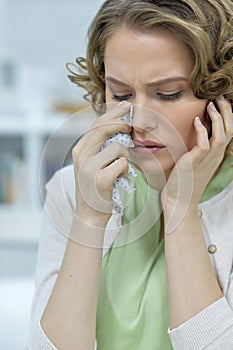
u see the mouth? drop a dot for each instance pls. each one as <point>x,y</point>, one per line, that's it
<point>147,147</point>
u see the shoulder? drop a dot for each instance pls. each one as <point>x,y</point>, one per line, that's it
<point>60,201</point>
<point>61,186</point>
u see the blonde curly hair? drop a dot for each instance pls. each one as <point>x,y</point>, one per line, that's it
<point>205,26</point>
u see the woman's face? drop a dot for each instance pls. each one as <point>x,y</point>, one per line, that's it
<point>151,70</point>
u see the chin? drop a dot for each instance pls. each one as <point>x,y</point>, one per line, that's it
<point>155,170</point>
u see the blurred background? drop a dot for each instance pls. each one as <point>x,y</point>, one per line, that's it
<point>37,39</point>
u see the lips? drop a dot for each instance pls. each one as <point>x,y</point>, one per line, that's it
<point>147,147</point>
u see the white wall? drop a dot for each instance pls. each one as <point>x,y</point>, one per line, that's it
<point>48,30</point>
<point>39,38</point>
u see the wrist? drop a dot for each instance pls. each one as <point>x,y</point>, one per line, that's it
<point>87,232</point>
<point>180,216</point>
<point>98,220</point>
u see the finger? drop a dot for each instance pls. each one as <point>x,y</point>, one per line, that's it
<point>202,142</point>
<point>112,120</point>
<point>93,146</point>
<point>203,145</point>
<point>108,124</point>
<point>102,159</point>
<point>110,154</point>
<point>218,131</point>
<point>116,112</point>
<point>225,109</point>
<point>100,132</point>
<point>116,169</point>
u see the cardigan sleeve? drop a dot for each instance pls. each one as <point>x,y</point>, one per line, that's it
<point>211,329</point>
<point>57,220</point>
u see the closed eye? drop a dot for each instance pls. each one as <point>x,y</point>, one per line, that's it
<point>168,97</point>
<point>121,97</point>
<point>165,97</point>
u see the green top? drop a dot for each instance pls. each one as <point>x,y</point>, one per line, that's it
<point>132,309</point>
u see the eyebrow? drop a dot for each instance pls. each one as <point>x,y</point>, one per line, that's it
<point>153,83</point>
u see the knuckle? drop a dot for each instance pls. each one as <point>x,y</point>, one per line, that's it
<point>99,121</point>
<point>205,147</point>
<point>220,142</point>
<point>217,115</point>
<point>96,131</point>
<point>117,147</point>
<point>103,183</point>
<point>125,166</point>
<point>124,163</point>
<point>77,160</point>
<point>217,118</point>
<point>204,132</point>
<point>74,153</point>
<point>230,131</point>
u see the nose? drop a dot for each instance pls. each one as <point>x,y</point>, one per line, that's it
<point>144,119</point>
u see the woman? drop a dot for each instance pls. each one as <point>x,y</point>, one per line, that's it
<point>170,287</point>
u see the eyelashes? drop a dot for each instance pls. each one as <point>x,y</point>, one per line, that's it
<point>173,96</point>
<point>163,97</point>
<point>121,97</point>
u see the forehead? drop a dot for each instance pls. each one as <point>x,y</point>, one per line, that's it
<point>129,51</point>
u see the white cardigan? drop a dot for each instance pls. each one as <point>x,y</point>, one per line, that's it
<point>211,329</point>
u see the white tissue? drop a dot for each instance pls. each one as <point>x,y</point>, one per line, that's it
<point>124,182</point>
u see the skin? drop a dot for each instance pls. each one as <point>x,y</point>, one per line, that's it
<point>153,72</point>
<point>69,319</point>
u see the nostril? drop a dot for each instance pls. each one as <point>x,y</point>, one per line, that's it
<point>144,125</point>
<point>144,118</point>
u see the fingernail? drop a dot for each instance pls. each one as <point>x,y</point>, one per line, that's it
<point>212,106</point>
<point>220,98</point>
<point>197,121</point>
<point>124,104</point>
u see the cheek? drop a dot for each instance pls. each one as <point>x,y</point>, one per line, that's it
<point>184,121</point>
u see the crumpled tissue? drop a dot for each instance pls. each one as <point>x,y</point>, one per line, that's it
<point>124,182</point>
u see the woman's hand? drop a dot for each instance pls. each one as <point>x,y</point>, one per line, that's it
<point>194,170</point>
<point>95,170</point>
